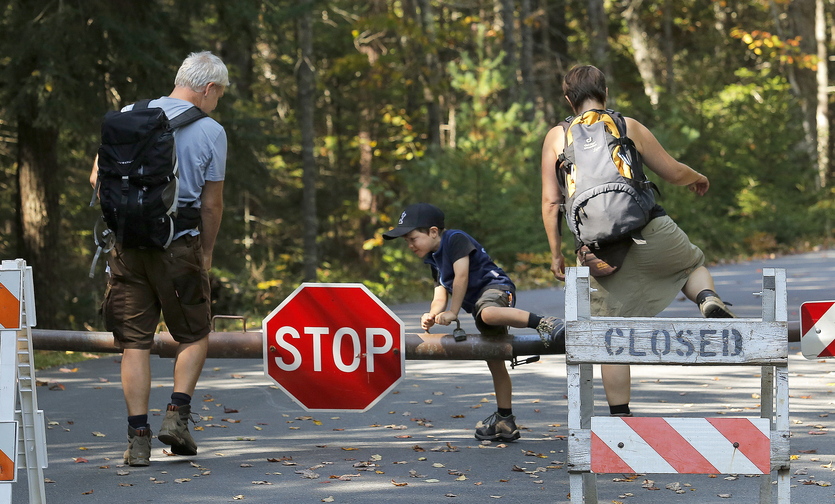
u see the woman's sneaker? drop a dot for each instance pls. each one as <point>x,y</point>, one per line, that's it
<point>496,427</point>
<point>138,453</point>
<point>174,430</point>
<point>713,307</point>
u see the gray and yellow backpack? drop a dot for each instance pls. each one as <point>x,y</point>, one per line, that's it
<point>607,198</point>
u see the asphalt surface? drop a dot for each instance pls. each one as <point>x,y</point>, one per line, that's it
<point>416,445</point>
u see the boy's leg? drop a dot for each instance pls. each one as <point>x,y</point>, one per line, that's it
<point>501,425</point>
<point>502,384</point>
<point>505,316</point>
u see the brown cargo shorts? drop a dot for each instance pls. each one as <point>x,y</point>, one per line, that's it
<point>145,282</point>
<point>493,296</point>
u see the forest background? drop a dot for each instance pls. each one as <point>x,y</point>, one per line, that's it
<point>341,112</point>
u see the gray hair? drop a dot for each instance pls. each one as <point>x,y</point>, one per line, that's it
<point>199,70</point>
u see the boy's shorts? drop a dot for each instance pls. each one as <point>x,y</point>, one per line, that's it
<point>495,295</point>
<point>144,282</point>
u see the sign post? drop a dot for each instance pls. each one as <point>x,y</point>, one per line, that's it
<point>334,347</point>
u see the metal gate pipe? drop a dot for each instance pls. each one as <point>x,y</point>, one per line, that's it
<point>248,345</point>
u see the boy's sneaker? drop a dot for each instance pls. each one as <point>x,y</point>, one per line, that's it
<point>552,329</point>
<point>174,430</point>
<point>496,427</point>
<point>713,307</point>
<point>138,453</point>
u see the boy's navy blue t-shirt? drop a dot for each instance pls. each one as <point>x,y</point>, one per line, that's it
<point>484,273</point>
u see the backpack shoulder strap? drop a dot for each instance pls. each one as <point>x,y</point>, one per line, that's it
<point>187,117</point>
<point>141,104</point>
<point>619,121</point>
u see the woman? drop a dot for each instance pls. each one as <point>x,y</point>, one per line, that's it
<point>653,272</point>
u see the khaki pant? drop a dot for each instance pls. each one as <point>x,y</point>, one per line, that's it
<point>651,276</point>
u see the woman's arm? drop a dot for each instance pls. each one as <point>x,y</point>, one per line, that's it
<point>661,162</point>
<point>552,198</point>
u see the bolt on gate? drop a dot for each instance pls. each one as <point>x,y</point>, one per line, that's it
<point>746,445</point>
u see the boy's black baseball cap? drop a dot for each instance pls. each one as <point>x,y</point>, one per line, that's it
<point>417,215</point>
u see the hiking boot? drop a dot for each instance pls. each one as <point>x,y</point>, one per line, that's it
<point>496,427</point>
<point>713,307</point>
<point>138,453</point>
<point>174,430</point>
<point>552,330</point>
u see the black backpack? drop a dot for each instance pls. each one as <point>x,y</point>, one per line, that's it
<point>138,183</point>
<point>606,195</point>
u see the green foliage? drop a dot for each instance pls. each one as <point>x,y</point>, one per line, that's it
<point>380,68</point>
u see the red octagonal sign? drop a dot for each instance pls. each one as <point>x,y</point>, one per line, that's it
<point>334,347</point>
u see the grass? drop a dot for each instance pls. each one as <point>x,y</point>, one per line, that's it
<point>51,358</point>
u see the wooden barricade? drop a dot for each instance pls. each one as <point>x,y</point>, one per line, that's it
<point>678,445</point>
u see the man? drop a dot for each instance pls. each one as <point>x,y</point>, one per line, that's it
<point>145,281</point>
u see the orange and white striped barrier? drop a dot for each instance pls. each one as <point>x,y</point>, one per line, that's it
<point>680,445</point>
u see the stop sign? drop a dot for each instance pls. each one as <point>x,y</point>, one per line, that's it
<point>334,347</point>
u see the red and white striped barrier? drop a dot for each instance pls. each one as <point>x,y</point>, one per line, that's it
<point>817,329</point>
<point>680,445</point>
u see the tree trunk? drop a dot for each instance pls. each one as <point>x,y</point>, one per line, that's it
<point>39,215</point>
<point>801,15</point>
<point>822,109</point>
<point>643,51</point>
<point>555,48</point>
<point>669,48</point>
<point>526,59</point>
<point>600,43</point>
<point>508,18</point>
<point>431,77</point>
<point>306,107</point>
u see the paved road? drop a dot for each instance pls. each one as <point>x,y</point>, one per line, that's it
<point>416,444</point>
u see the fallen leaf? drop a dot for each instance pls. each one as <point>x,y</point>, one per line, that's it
<point>80,460</point>
<point>261,483</point>
<point>327,499</point>
<point>68,370</point>
<point>59,386</point>
<point>229,410</point>
<point>88,492</point>
<point>99,434</point>
<point>182,480</point>
<point>238,497</point>
<point>395,483</point>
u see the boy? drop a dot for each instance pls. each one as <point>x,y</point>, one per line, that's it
<point>466,277</point>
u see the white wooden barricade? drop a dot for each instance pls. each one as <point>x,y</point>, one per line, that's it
<point>22,431</point>
<point>678,445</point>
